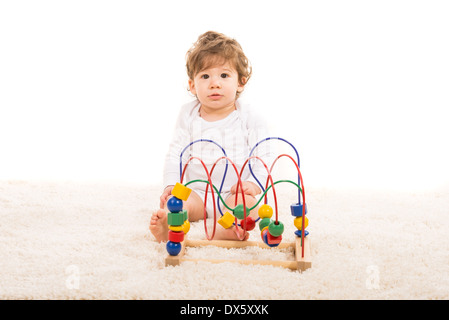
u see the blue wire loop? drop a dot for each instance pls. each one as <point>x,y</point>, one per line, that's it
<point>226,168</point>
<point>249,164</point>
<point>297,158</point>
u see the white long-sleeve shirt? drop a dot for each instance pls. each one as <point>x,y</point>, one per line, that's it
<point>237,134</point>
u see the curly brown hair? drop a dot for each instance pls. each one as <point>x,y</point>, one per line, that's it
<point>214,48</point>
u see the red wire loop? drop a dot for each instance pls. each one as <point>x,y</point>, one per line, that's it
<point>239,183</point>
<point>205,196</point>
<point>269,178</point>
<point>303,197</point>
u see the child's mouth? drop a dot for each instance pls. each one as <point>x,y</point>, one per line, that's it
<point>215,96</point>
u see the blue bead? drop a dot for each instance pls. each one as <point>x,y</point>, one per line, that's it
<point>173,248</point>
<point>298,233</point>
<point>296,209</point>
<point>174,204</point>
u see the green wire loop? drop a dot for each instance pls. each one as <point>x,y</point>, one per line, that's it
<point>257,203</point>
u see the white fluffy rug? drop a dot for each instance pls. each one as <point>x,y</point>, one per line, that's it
<point>91,241</point>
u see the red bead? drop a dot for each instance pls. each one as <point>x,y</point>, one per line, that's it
<point>249,223</point>
<point>273,240</point>
<point>174,236</point>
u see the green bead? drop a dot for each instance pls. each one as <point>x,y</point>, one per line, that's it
<point>265,222</point>
<point>239,212</point>
<point>175,218</point>
<point>276,229</point>
<point>186,216</point>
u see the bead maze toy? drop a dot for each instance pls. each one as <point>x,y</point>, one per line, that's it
<point>271,229</point>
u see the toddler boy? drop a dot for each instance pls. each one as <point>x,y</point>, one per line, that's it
<point>218,71</point>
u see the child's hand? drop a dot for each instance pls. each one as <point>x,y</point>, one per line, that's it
<point>249,188</point>
<point>165,195</point>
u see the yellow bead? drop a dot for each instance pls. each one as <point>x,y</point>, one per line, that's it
<point>181,192</point>
<point>265,211</point>
<point>298,222</point>
<point>186,226</point>
<point>226,220</point>
<point>175,228</point>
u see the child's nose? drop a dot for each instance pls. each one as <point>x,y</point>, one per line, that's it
<point>215,82</point>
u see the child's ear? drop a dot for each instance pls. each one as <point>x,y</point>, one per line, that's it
<point>192,87</point>
<point>241,85</point>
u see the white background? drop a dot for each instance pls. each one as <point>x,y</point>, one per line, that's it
<point>89,90</point>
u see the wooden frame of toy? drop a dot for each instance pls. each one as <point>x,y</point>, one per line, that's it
<point>271,229</point>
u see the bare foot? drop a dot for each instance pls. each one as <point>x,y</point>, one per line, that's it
<point>158,225</point>
<point>230,234</point>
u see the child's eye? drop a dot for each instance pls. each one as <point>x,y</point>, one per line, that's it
<point>205,76</point>
<point>224,75</point>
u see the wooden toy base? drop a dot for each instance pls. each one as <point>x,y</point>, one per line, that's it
<point>300,263</point>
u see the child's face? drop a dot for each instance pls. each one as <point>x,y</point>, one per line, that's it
<point>216,87</point>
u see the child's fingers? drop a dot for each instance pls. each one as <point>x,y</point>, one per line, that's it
<point>165,195</point>
<point>163,200</point>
